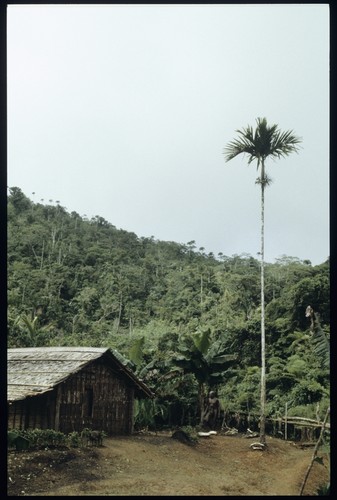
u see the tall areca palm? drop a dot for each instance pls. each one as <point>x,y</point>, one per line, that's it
<point>259,144</point>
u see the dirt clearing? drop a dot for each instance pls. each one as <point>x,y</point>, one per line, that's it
<point>157,465</point>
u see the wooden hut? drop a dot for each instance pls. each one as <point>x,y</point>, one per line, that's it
<point>71,388</point>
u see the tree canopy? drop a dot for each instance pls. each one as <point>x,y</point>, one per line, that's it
<point>74,281</point>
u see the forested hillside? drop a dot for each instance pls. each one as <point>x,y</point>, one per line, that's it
<point>184,320</point>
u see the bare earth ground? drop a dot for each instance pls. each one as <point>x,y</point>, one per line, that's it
<point>157,465</point>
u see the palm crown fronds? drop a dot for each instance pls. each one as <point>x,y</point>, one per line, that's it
<point>265,141</point>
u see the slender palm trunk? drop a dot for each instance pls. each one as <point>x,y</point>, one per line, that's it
<point>263,342</point>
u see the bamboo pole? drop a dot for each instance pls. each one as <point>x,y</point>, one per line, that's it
<point>305,419</point>
<point>315,452</point>
<point>307,424</point>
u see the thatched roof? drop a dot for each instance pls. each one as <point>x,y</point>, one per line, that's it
<point>35,370</point>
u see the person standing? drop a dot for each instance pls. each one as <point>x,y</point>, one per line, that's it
<point>211,411</point>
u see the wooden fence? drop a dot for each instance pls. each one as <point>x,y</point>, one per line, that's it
<point>286,427</point>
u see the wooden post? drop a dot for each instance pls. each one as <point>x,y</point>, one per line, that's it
<point>57,408</point>
<point>285,423</point>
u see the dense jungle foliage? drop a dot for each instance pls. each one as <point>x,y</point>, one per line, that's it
<point>185,321</point>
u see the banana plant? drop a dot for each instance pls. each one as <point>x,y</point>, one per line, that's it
<point>206,360</point>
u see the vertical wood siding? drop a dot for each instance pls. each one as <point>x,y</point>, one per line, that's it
<point>96,397</point>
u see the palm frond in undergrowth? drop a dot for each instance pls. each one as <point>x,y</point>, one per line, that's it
<point>321,344</point>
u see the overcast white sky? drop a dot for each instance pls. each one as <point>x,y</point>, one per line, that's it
<point>123,111</point>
